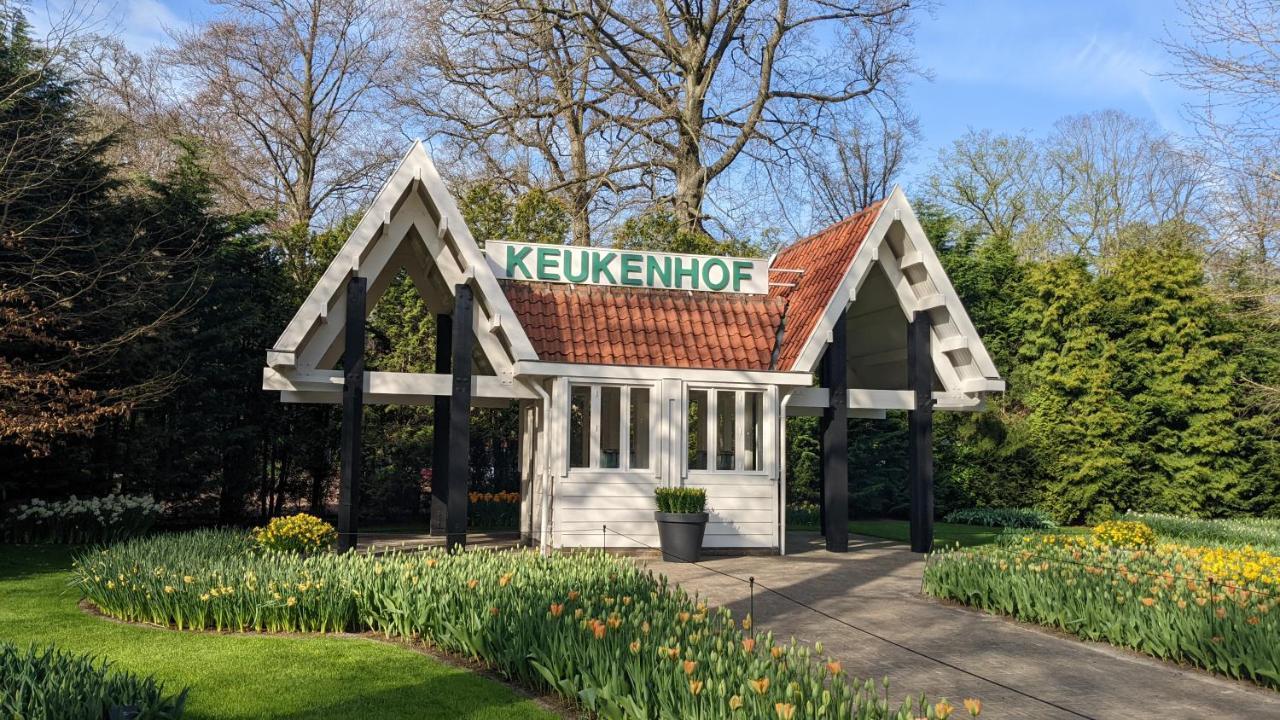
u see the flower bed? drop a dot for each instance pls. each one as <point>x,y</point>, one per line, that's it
<point>80,521</point>
<point>493,511</point>
<point>48,683</point>
<point>1256,532</point>
<point>1212,607</point>
<point>588,626</point>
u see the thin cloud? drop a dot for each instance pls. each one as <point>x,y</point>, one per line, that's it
<point>140,24</point>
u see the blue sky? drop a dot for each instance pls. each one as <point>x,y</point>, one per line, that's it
<point>1008,65</point>
<point>1013,66</point>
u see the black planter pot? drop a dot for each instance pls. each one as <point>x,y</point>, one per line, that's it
<point>681,535</point>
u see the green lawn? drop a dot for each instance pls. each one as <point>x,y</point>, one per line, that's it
<point>246,676</point>
<point>944,534</point>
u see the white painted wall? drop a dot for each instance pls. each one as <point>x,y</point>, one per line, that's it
<point>743,506</point>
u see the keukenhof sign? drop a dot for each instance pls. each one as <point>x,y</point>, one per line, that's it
<point>602,266</point>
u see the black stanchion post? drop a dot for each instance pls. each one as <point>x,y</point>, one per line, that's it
<point>751,606</point>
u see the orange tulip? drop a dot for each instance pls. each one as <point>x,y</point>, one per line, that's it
<point>695,686</point>
<point>556,609</point>
<point>689,667</point>
<point>761,686</point>
<point>974,706</point>
<point>749,644</point>
<point>785,711</point>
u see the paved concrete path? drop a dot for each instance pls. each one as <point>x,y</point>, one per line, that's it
<point>876,587</point>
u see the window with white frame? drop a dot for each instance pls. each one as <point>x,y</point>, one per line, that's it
<point>610,426</point>
<point>724,430</point>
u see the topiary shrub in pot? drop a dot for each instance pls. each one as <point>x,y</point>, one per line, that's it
<point>682,521</point>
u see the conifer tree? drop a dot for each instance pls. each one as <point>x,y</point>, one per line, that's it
<point>1176,379</point>
<point>1077,417</point>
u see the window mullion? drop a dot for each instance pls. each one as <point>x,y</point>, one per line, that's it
<point>739,442</point>
<point>595,427</point>
<point>713,429</point>
<point>624,432</point>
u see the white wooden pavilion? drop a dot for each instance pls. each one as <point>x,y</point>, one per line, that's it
<point>635,370</point>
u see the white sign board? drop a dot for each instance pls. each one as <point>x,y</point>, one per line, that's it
<point>628,268</point>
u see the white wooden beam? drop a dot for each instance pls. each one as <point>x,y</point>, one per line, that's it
<point>978,385</point>
<point>931,301</point>
<point>389,387</point>
<point>911,258</point>
<point>808,399</point>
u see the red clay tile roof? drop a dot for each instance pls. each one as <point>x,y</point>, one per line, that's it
<point>607,325</point>
<point>825,259</point>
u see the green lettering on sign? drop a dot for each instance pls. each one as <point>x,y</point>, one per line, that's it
<point>515,259</point>
<point>580,273</point>
<point>715,264</point>
<point>740,268</point>
<point>631,267</point>
<point>690,272</point>
<point>600,267</point>
<point>548,261</point>
<point>658,271</point>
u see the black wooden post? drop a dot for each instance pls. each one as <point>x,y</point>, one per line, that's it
<point>352,414</point>
<point>460,419</point>
<point>920,432</point>
<point>440,435</point>
<point>835,440</point>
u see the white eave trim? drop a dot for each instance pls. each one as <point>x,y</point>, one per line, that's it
<point>632,372</point>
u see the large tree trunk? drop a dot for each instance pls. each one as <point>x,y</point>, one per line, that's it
<point>691,188</point>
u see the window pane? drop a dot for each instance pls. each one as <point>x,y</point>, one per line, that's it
<point>579,426</point>
<point>751,431</point>
<point>698,429</point>
<point>725,436</point>
<point>610,427</point>
<point>638,434</point>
